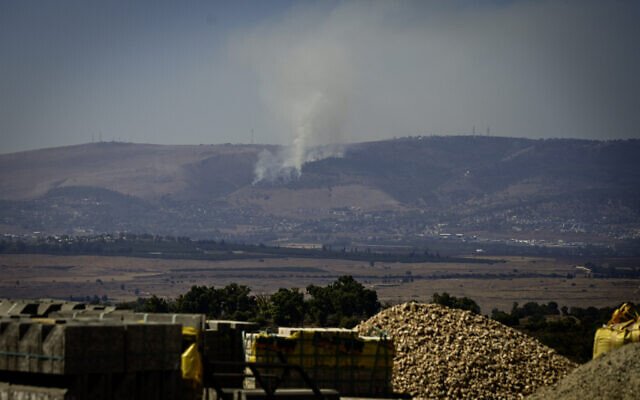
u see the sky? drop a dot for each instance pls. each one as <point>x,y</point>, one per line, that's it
<point>307,73</point>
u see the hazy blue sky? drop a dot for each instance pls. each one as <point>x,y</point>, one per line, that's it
<point>184,72</point>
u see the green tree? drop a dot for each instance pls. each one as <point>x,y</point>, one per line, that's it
<point>236,303</point>
<point>504,318</point>
<point>342,303</point>
<point>199,299</point>
<point>155,304</point>
<point>287,307</point>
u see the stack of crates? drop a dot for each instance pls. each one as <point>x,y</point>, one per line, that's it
<point>96,360</point>
<point>223,342</point>
<point>337,359</point>
<point>186,320</point>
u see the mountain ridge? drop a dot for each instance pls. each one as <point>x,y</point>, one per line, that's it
<point>390,188</point>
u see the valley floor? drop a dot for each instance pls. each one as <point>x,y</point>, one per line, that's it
<point>517,279</point>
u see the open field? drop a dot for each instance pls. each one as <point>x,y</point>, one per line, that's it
<point>518,279</point>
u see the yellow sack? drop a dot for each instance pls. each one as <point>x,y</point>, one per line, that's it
<point>192,364</point>
<point>623,328</point>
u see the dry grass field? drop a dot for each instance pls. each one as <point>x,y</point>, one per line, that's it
<point>518,279</point>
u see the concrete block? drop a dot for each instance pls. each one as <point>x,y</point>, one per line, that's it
<point>7,343</point>
<point>9,339</point>
<point>151,385</point>
<point>222,341</point>
<point>72,306</point>
<point>219,325</point>
<point>22,392</point>
<point>30,347</point>
<point>191,320</point>
<point>19,307</point>
<point>152,347</point>
<point>83,348</point>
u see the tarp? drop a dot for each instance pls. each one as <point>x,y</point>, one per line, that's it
<point>192,364</point>
<point>191,361</point>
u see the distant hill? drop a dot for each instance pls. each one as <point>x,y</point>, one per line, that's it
<point>387,190</point>
<point>141,170</point>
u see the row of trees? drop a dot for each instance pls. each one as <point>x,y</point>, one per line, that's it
<point>346,302</point>
<point>343,303</point>
<point>570,331</point>
<point>144,245</point>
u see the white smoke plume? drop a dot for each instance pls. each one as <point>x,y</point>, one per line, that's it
<point>286,164</point>
<point>315,120</point>
<point>332,72</point>
<point>305,81</point>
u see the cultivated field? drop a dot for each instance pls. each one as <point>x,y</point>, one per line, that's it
<point>518,279</point>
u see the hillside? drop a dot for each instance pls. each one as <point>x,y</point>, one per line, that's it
<point>404,189</point>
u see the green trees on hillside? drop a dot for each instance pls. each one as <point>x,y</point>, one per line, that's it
<point>342,303</point>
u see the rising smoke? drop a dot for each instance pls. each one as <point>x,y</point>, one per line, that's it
<point>305,82</point>
<point>331,72</point>
<point>315,120</point>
